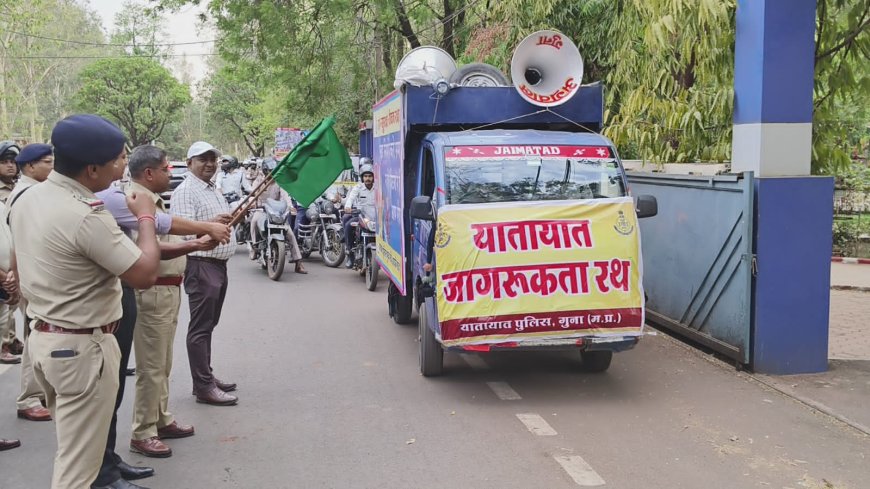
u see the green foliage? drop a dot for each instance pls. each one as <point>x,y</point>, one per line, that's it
<point>137,93</point>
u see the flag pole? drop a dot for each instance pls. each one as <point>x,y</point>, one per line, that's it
<point>240,211</point>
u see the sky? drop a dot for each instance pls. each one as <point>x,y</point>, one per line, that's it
<point>182,26</point>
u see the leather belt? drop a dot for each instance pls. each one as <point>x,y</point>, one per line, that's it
<point>44,327</point>
<point>207,259</point>
<point>174,280</point>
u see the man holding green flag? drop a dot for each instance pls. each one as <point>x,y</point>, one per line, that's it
<point>312,165</point>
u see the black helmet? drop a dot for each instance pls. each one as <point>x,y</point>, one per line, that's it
<point>8,150</point>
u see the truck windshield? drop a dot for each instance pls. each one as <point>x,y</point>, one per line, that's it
<point>547,177</point>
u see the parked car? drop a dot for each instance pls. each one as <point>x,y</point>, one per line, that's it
<point>178,170</point>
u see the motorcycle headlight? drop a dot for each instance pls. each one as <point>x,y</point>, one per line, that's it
<point>328,207</point>
<point>370,225</point>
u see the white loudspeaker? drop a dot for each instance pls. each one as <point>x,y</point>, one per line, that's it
<point>547,68</point>
<point>425,65</point>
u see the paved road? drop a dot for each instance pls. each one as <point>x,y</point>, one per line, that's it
<point>331,398</point>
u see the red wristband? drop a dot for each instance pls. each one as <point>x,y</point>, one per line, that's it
<point>146,217</point>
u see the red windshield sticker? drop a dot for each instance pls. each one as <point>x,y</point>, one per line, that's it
<point>519,152</point>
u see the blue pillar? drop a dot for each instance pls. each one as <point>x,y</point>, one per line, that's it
<point>773,111</point>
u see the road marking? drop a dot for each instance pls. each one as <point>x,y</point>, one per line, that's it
<point>504,391</point>
<point>474,361</point>
<point>536,424</point>
<point>582,473</point>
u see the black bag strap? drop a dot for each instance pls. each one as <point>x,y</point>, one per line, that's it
<point>9,205</point>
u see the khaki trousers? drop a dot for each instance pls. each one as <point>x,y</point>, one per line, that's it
<point>152,341</point>
<point>7,325</point>
<point>31,394</point>
<point>80,392</point>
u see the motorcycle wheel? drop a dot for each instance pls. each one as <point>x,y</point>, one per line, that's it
<point>333,250</point>
<point>372,272</point>
<point>276,260</point>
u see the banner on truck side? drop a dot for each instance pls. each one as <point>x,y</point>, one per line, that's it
<point>388,155</point>
<point>535,270</point>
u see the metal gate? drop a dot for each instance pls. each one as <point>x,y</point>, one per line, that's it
<point>697,258</point>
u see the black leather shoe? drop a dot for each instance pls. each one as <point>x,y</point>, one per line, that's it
<point>119,484</point>
<point>132,473</point>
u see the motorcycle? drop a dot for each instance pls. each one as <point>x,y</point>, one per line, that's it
<point>271,249</point>
<point>365,247</point>
<point>323,233</point>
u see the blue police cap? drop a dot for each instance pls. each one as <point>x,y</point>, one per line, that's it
<point>33,152</point>
<point>88,139</point>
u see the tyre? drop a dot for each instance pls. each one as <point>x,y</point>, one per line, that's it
<point>596,361</point>
<point>333,250</point>
<point>277,259</point>
<point>400,305</point>
<point>372,272</point>
<point>479,75</point>
<point>431,354</point>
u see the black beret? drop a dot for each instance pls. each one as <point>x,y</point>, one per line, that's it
<point>88,139</point>
<point>33,152</point>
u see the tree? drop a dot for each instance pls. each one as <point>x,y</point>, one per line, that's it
<point>137,93</point>
<point>139,30</point>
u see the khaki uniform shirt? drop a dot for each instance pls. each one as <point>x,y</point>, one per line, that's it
<point>5,242</point>
<point>5,190</point>
<point>70,258</point>
<point>23,183</point>
<point>168,268</point>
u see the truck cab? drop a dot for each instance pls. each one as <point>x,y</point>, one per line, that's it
<point>479,147</point>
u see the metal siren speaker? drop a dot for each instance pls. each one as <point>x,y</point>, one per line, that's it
<point>547,68</point>
<point>425,65</point>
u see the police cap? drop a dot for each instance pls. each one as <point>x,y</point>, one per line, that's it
<point>32,153</point>
<point>87,139</point>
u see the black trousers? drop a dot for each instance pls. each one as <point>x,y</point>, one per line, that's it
<point>205,283</point>
<point>109,471</point>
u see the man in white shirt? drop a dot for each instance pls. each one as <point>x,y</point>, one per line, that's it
<point>361,195</point>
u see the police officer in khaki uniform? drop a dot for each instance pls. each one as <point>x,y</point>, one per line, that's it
<point>35,161</point>
<point>69,262</point>
<point>158,314</point>
<point>8,169</point>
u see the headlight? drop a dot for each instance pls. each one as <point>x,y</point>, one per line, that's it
<point>312,213</point>
<point>328,207</point>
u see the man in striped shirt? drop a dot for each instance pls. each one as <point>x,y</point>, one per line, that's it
<point>205,277</point>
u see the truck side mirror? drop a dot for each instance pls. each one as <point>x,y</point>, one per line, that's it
<point>421,208</point>
<point>647,206</point>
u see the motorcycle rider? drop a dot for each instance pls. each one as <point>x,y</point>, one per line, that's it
<point>362,194</point>
<point>229,179</point>
<point>274,192</point>
<point>249,176</point>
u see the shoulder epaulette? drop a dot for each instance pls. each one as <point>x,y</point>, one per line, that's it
<point>94,204</point>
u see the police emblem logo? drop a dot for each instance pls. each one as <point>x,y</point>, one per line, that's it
<point>622,226</point>
<point>441,237</point>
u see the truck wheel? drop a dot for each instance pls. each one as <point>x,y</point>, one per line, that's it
<point>596,361</point>
<point>431,354</point>
<point>479,75</point>
<point>400,306</point>
<point>277,260</point>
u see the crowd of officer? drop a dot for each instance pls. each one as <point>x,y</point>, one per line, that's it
<point>95,263</point>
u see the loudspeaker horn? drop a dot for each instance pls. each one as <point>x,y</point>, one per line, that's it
<point>424,65</point>
<point>547,68</point>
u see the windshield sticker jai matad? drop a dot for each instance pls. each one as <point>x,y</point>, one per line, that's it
<point>536,270</point>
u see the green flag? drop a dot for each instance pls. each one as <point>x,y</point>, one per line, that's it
<point>313,164</point>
